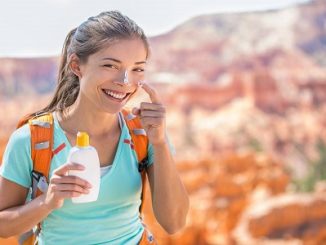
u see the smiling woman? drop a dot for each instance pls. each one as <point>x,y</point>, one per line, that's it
<point>102,66</point>
<point>114,74</point>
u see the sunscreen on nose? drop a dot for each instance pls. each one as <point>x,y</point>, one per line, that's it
<point>125,79</point>
<point>86,155</point>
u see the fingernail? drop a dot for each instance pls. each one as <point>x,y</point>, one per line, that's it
<point>78,166</point>
<point>89,185</point>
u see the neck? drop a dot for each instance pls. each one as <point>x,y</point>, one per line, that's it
<point>81,117</point>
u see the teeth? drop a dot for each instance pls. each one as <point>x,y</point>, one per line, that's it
<point>115,95</point>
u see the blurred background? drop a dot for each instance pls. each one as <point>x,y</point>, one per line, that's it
<point>244,83</point>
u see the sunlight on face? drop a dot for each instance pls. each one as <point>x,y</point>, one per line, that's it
<point>112,62</point>
<point>110,68</point>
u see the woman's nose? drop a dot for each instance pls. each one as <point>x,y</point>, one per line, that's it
<point>124,79</point>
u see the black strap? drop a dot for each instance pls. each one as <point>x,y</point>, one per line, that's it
<point>143,165</point>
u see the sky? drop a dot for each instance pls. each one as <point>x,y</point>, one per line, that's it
<point>37,28</point>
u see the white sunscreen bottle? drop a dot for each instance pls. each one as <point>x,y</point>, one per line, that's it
<point>87,156</point>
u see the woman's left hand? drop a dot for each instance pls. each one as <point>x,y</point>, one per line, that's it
<point>152,116</point>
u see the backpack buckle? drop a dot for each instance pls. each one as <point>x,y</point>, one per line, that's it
<point>143,165</point>
<point>38,182</point>
<point>36,175</point>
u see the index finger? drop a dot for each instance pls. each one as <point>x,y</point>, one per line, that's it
<point>62,170</point>
<point>153,95</point>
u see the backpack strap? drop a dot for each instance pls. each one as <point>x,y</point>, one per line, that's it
<point>140,143</point>
<point>41,150</point>
<point>41,128</point>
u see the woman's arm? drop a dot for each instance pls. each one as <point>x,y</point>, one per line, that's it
<point>169,197</point>
<point>17,217</point>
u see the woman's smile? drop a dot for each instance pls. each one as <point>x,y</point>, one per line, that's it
<point>115,95</point>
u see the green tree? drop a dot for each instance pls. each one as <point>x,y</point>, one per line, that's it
<point>317,170</point>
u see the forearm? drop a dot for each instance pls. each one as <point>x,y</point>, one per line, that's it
<point>17,220</point>
<point>170,199</point>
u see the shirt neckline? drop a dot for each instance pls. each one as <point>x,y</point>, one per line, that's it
<point>120,143</point>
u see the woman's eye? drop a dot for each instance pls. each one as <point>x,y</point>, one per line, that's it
<point>111,66</point>
<point>139,70</point>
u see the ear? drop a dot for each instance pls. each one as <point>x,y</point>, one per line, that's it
<point>75,65</point>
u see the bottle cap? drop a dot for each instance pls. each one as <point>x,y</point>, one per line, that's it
<point>82,139</point>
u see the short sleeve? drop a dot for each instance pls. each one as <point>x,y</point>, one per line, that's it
<point>17,163</point>
<point>151,152</point>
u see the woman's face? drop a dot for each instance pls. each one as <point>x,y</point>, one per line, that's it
<point>110,76</point>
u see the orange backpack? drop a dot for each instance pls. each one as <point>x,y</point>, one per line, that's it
<point>42,152</point>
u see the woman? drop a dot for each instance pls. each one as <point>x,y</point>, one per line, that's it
<point>102,66</point>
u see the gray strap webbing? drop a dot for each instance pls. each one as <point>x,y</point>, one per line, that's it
<point>42,145</point>
<point>121,121</point>
<point>130,116</point>
<point>41,123</point>
<point>139,131</point>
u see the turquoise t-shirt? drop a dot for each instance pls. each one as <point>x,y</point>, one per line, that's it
<point>112,219</point>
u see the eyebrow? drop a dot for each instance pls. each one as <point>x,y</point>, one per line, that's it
<point>118,61</point>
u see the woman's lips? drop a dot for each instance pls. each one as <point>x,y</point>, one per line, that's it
<point>115,95</point>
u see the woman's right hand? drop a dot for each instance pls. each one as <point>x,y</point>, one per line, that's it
<point>63,186</point>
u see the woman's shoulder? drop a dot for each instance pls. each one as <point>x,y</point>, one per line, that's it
<point>16,162</point>
<point>21,135</point>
